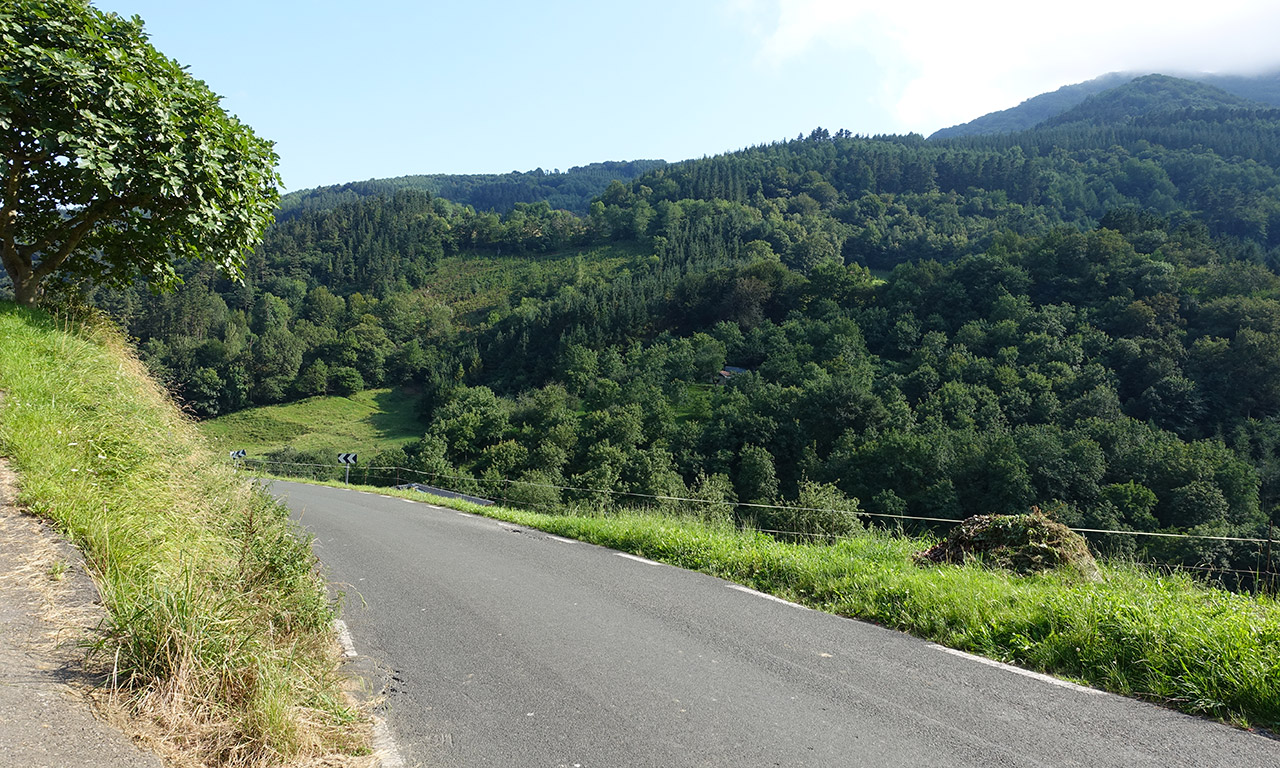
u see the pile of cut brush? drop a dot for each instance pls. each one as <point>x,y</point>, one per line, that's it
<point>1023,544</point>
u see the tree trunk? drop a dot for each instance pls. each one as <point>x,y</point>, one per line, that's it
<point>26,292</point>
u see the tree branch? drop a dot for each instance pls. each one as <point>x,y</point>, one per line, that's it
<point>76,228</point>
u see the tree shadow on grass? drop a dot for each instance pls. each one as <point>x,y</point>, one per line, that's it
<point>396,415</point>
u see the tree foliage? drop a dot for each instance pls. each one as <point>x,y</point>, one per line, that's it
<point>116,160</point>
<point>1083,318</point>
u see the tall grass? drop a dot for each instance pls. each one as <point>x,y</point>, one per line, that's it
<point>218,628</point>
<point>1166,639</point>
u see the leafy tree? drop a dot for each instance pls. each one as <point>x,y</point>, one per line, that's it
<point>345,380</point>
<point>757,477</point>
<point>116,160</point>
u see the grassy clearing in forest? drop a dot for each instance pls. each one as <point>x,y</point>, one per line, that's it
<point>1166,639</point>
<point>365,423</point>
<point>219,630</point>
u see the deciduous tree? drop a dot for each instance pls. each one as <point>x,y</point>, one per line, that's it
<point>115,160</point>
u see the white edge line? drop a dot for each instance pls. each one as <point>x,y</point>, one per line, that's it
<point>408,501</point>
<point>766,596</point>
<point>384,745</point>
<point>1019,670</point>
<point>344,637</point>
<point>460,514</point>
<point>637,558</point>
<point>553,537</point>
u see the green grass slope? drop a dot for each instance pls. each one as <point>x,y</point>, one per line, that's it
<point>218,630</point>
<point>365,422</point>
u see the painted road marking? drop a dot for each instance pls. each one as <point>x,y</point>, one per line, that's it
<point>1018,670</point>
<point>561,538</point>
<point>384,745</point>
<point>344,637</point>
<point>636,558</point>
<point>766,596</point>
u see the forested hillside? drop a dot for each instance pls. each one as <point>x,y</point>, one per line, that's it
<point>1034,110</point>
<point>571,190</point>
<point>1084,318</point>
<point>1261,90</point>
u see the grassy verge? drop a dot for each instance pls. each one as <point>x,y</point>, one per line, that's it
<point>218,629</point>
<point>1166,639</point>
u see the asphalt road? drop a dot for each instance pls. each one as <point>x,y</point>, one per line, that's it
<point>503,646</point>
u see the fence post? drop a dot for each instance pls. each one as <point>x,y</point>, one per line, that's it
<point>1271,574</point>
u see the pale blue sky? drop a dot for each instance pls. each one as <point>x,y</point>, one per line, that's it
<point>352,91</point>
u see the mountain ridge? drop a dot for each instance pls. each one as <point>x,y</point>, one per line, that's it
<point>570,190</point>
<point>1038,110</point>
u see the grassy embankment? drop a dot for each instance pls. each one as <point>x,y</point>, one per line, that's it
<point>1166,639</point>
<point>218,630</point>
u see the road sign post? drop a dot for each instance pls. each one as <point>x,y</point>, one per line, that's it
<point>347,459</point>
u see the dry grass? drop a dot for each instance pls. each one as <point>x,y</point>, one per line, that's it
<point>218,629</point>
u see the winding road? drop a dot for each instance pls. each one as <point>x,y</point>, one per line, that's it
<point>504,646</point>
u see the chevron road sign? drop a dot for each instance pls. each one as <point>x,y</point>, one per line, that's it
<point>238,454</point>
<point>348,459</point>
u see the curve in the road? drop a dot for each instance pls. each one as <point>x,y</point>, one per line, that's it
<point>505,646</point>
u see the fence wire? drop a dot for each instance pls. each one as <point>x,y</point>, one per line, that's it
<point>611,492</point>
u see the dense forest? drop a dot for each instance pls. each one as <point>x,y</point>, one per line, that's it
<point>571,190</point>
<point>1083,317</point>
<point>1257,91</point>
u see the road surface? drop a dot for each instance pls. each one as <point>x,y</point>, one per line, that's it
<point>504,646</point>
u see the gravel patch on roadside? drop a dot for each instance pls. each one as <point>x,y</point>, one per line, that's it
<point>48,608</point>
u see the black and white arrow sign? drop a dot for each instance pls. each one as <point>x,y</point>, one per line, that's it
<point>238,454</point>
<point>346,458</point>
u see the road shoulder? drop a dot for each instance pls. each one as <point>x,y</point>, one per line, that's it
<point>48,607</point>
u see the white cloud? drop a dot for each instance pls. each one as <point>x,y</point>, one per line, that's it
<point>947,62</point>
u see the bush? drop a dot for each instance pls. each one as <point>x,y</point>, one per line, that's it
<point>345,380</point>
<point>820,511</point>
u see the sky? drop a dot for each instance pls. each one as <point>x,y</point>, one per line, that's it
<point>352,91</point>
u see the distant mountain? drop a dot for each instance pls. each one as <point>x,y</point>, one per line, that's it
<point>571,190</point>
<point>1264,89</point>
<point>1151,94</point>
<point>1034,110</point>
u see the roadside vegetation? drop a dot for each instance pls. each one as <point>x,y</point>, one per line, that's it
<point>218,629</point>
<point>1167,639</point>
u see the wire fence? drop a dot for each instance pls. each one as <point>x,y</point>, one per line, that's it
<point>1263,576</point>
